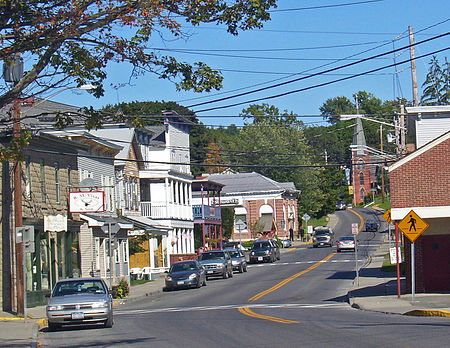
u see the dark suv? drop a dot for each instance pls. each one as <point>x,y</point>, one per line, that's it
<point>371,225</point>
<point>262,251</point>
<point>217,263</point>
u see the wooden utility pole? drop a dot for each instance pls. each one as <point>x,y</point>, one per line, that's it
<point>413,67</point>
<point>402,131</point>
<point>18,214</point>
<point>382,166</point>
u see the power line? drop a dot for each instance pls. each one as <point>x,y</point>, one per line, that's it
<point>316,74</point>
<point>322,84</point>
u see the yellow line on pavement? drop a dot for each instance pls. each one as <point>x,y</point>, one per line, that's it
<point>247,311</point>
<point>291,249</point>
<point>360,218</point>
<point>287,280</point>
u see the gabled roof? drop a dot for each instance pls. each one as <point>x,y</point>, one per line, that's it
<point>250,182</point>
<point>420,151</point>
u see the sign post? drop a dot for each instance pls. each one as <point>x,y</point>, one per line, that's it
<point>111,227</point>
<point>241,225</point>
<point>355,231</point>
<point>387,217</point>
<point>412,226</point>
<point>306,217</point>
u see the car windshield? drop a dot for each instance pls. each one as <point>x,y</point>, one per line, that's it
<point>183,266</point>
<point>347,238</point>
<point>261,245</point>
<point>235,253</point>
<point>212,256</point>
<point>322,233</point>
<point>72,287</point>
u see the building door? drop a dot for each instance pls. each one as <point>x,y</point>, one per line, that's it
<point>436,262</point>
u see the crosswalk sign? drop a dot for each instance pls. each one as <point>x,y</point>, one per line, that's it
<point>387,216</point>
<point>412,226</point>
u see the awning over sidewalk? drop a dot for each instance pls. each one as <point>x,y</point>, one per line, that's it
<point>98,220</point>
<point>423,212</point>
<point>149,225</point>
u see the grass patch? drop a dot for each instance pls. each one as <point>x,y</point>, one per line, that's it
<point>318,222</point>
<point>139,281</point>
<point>387,266</point>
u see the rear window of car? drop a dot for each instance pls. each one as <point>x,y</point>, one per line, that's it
<point>235,253</point>
<point>261,245</point>
<point>347,238</point>
<point>79,287</point>
<point>211,256</point>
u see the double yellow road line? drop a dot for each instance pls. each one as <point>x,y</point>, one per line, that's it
<point>249,312</point>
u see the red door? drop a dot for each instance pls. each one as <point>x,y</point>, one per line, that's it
<point>436,263</point>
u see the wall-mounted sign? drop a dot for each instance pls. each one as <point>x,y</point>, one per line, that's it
<point>86,202</point>
<point>55,223</point>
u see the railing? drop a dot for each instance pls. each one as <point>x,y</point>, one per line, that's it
<point>206,212</point>
<point>164,210</point>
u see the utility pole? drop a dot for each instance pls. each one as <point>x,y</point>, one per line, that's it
<point>382,166</point>
<point>413,67</point>
<point>402,131</point>
<point>18,214</point>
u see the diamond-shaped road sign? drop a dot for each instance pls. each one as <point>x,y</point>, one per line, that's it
<point>387,216</point>
<point>412,226</point>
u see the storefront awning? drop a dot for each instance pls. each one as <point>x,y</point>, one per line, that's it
<point>148,225</point>
<point>98,221</point>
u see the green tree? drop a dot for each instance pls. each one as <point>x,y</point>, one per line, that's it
<point>334,107</point>
<point>436,88</point>
<point>73,42</point>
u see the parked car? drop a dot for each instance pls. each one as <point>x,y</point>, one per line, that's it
<point>185,274</point>
<point>238,260</point>
<point>217,263</point>
<point>286,243</point>
<point>80,301</point>
<point>340,205</point>
<point>323,236</point>
<point>262,251</point>
<point>371,225</point>
<point>276,248</point>
<point>345,243</point>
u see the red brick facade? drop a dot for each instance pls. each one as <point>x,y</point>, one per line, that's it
<point>424,181</point>
<point>362,180</point>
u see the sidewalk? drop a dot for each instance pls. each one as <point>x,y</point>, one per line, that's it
<point>377,291</point>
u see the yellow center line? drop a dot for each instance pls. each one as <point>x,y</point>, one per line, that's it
<point>360,218</point>
<point>287,280</point>
<point>291,249</point>
<point>250,313</point>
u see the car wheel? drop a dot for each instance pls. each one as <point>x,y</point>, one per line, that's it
<point>109,322</point>
<point>245,268</point>
<point>338,250</point>
<point>225,274</point>
<point>52,326</point>
<point>241,269</point>
<point>314,246</point>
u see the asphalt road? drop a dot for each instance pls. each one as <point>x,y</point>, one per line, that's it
<point>299,301</point>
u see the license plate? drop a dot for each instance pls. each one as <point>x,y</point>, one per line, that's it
<point>260,258</point>
<point>76,316</point>
<point>180,282</point>
<point>321,243</point>
<point>209,272</point>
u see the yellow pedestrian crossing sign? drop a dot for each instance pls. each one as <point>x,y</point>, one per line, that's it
<point>387,216</point>
<point>412,226</point>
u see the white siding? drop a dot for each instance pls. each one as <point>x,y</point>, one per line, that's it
<point>428,129</point>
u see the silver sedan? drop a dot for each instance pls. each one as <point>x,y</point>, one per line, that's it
<point>80,301</point>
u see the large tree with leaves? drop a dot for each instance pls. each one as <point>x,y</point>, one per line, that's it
<point>72,42</point>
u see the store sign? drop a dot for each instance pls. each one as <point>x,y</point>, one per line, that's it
<point>55,223</point>
<point>87,202</point>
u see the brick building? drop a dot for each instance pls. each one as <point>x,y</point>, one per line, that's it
<point>267,207</point>
<point>421,182</point>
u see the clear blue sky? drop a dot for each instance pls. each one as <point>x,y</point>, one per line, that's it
<point>297,41</point>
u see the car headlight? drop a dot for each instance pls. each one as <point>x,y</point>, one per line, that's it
<point>267,252</point>
<point>55,308</point>
<point>252,253</point>
<point>314,238</point>
<point>103,304</point>
<point>222,265</point>
<point>169,279</point>
<point>192,276</point>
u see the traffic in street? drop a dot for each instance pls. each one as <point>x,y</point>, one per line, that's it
<point>299,300</point>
